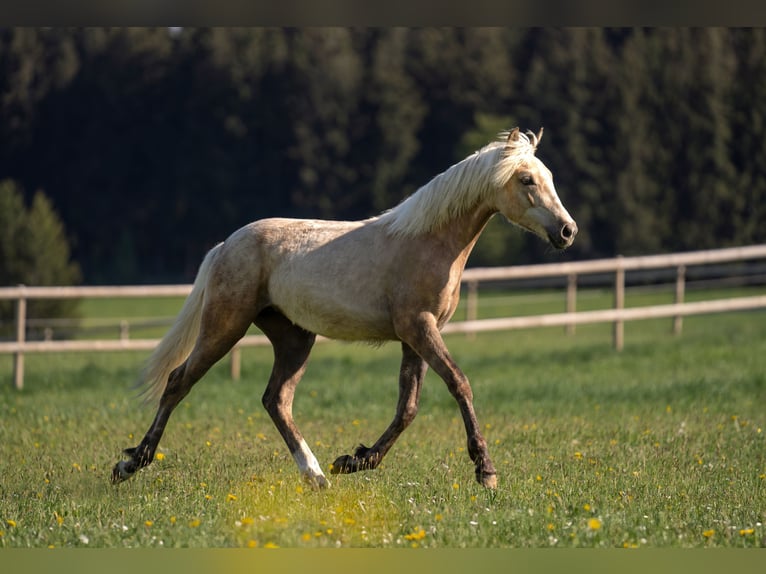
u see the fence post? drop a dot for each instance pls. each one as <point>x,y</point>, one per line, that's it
<point>236,362</point>
<point>571,300</point>
<point>619,303</point>
<point>678,321</point>
<point>124,330</point>
<point>21,336</point>
<point>472,304</point>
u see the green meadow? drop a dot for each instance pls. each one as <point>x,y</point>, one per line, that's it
<point>660,445</point>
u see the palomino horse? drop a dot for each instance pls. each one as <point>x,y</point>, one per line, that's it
<point>392,277</point>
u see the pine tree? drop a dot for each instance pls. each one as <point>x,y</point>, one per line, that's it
<point>34,251</point>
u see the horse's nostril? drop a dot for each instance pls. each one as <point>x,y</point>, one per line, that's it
<point>568,231</point>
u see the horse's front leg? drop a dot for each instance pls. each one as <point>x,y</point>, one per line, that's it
<point>411,374</point>
<point>424,337</point>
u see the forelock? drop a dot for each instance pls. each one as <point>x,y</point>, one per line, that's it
<point>515,152</point>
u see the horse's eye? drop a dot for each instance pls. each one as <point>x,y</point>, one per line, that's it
<point>527,180</point>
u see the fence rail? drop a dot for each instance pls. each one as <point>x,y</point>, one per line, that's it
<point>471,279</point>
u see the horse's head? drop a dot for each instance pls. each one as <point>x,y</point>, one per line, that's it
<point>526,195</point>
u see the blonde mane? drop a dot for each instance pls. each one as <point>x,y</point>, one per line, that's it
<point>462,186</point>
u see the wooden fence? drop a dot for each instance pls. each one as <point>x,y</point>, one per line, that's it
<point>617,315</point>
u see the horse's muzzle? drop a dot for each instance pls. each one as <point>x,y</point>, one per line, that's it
<point>564,235</point>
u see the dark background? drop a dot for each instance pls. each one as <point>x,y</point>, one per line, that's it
<point>153,144</point>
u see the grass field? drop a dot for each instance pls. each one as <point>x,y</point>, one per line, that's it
<point>661,445</point>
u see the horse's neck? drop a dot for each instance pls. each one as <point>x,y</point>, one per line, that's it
<point>459,235</point>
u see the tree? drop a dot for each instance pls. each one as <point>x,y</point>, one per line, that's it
<point>33,251</point>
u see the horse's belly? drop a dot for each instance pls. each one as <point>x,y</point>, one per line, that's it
<point>336,315</point>
<point>339,322</point>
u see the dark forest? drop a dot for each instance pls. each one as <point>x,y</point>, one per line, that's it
<point>153,144</point>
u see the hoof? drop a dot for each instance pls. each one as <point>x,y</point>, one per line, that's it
<point>318,482</point>
<point>345,464</point>
<point>487,480</point>
<point>361,460</point>
<point>119,473</point>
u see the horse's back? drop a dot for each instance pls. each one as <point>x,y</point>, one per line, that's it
<point>326,276</point>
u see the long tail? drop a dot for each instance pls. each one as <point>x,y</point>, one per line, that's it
<point>178,342</point>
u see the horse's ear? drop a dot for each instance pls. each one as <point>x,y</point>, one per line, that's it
<point>513,135</point>
<point>540,135</point>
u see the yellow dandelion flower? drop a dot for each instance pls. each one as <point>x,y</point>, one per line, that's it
<point>172,520</point>
<point>438,518</point>
<point>148,523</point>
<point>747,531</point>
<point>417,534</point>
<point>159,456</point>
<point>456,486</point>
<point>586,507</point>
<point>247,521</point>
<point>306,537</point>
<point>195,523</point>
<point>208,497</point>
<point>539,478</point>
<point>76,467</point>
<point>578,455</point>
<point>299,489</point>
<point>231,497</point>
<point>551,527</point>
<point>11,523</point>
<point>708,533</point>
<point>58,517</point>
<point>252,544</point>
<point>270,545</point>
<point>348,520</point>
<point>594,524</point>
<point>208,443</point>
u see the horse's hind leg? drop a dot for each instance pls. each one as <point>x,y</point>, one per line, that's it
<point>413,370</point>
<point>292,346</point>
<point>219,332</point>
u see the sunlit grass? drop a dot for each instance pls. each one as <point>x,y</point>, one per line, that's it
<point>660,445</point>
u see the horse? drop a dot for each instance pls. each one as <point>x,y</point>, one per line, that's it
<point>393,277</point>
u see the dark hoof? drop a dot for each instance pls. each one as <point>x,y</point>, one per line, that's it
<point>120,473</point>
<point>487,479</point>
<point>347,464</point>
<point>124,469</point>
